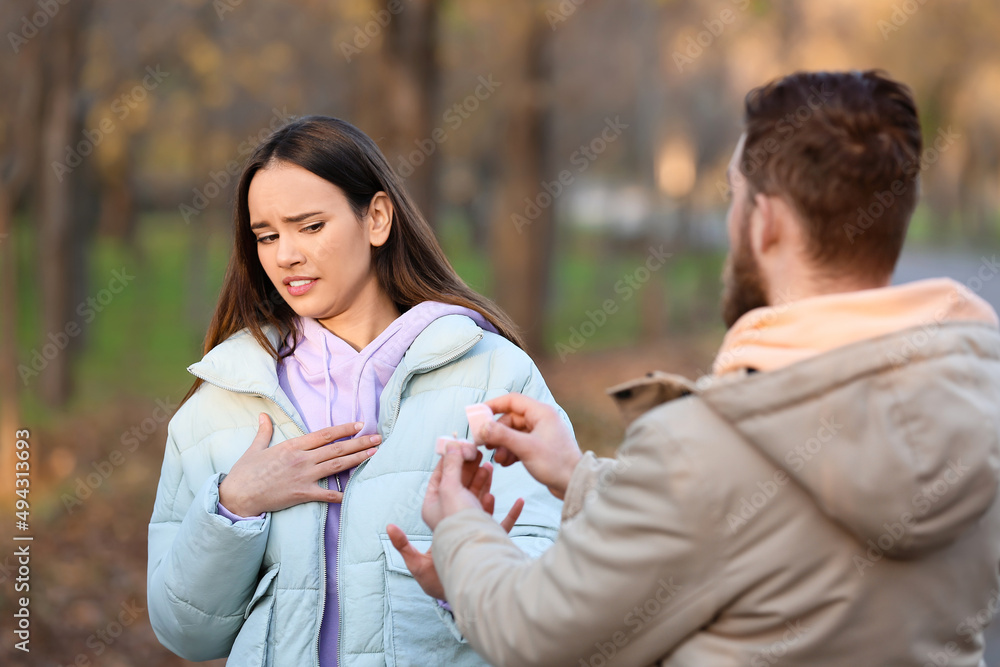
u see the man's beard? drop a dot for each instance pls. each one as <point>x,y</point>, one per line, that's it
<point>743,285</point>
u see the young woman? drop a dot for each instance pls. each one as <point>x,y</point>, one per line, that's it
<point>342,346</point>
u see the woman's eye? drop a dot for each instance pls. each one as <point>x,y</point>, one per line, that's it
<point>267,239</point>
<point>313,228</point>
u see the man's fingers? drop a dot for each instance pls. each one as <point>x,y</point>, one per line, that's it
<point>513,515</point>
<point>401,542</point>
<point>470,468</point>
<point>264,431</point>
<point>514,421</point>
<point>489,503</point>
<point>504,457</point>
<point>452,466</point>
<point>481,480</point>
<point>436,475</point>
<point>326,435</point>
<point>497,435</point>
<point>513,403</point>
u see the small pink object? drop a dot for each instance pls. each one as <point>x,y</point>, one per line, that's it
<point>478,415</point>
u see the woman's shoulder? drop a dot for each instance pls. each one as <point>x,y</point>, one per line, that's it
<point>497,345</point>
<point>207,412</point>
<point>496,361</point>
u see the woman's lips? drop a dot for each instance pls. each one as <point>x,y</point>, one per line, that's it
<point>300,287</point>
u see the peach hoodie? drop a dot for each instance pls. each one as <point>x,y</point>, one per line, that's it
<point>766,339</point>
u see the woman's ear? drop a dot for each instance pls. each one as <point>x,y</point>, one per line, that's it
<point>379,219</point>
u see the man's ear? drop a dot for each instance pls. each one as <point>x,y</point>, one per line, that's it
<point>379,219</point>
<point>764,227</point>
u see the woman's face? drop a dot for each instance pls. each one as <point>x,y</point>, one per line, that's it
<point>316,252</point>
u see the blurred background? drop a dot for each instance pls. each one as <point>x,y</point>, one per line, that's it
<point>569,154</point>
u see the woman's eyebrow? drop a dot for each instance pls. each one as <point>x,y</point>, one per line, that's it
<point>300,217</point>
<point>288,218</point>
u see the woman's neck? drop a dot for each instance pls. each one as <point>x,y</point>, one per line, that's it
<point>368,317</point>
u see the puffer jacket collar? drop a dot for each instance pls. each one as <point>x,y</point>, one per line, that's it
<point>241,365</point>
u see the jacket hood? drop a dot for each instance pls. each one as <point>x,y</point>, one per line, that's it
<point>896,438</point>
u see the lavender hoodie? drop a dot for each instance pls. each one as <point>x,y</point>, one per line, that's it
<point>330,383</point>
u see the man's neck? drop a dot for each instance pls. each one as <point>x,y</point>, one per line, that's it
<point>805,288</point>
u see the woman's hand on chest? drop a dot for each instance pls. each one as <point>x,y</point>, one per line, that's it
<point>268,479</point>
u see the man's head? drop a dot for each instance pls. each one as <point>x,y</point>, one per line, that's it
<point>824,181</point>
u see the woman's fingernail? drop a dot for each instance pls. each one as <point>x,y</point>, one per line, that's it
<point>358,426</point>
<point>371,452</point>
<point>375,439</point>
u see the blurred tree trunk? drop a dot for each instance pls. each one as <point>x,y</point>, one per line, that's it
<point>523,230</point>
<point>409,95</point>
<point>19,139</point>
<point>62,247</point>
<point>118,211</point>
<point>10,407</point>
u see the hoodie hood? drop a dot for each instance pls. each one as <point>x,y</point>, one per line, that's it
<point>896,438</point>
<point>769,338</point>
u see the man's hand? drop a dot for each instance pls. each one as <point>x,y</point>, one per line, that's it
<point>468,486</point>
<point>535,434</point>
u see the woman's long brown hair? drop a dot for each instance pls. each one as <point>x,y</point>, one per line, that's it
<point>410,266</point>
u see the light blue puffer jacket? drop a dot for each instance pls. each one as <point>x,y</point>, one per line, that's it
<point>255,590</point>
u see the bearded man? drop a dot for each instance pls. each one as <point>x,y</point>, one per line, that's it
<point>828,496</point>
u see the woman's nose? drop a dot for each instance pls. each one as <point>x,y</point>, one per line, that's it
<point>288,253</point>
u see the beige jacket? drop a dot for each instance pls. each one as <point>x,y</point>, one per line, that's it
<point>839,511</point>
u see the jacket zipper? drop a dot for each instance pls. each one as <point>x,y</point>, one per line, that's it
<point>459,351</point>
<point>322,561</point>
